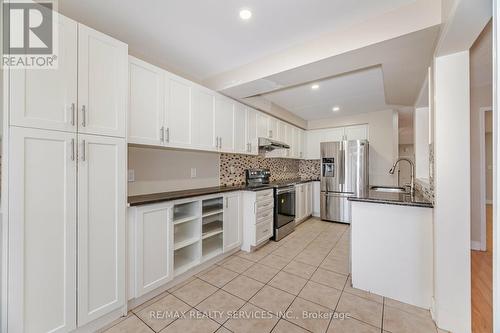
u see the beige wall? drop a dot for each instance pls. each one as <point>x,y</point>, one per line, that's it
<point>489,167</point>
<point>383,136</point>
<point>158,170</point>
<point>481,96</point>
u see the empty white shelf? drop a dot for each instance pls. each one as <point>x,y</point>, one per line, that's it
<point>214,212</point>
<point>184,243</point>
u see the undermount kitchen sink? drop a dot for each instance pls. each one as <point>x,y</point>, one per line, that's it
<point>388,189</point>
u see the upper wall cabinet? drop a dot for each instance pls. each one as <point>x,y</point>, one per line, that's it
<point>358,132</point>
<point>252,138</point>
<point>102,83</point>
<point>146,103</point>
<point>273,128</point>
<point>178,112</point>
<point>47,99</point>
<point>86,93</point>
<point>315,137</point>
<point>224,124</point>
<point>203,119</point>
<point>262,125</point>
<point>240,129</point>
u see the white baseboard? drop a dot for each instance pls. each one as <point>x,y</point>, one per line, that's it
<point>476,246</point>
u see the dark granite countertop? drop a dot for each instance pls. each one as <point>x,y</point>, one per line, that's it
<point>403,199</point>
<point>143,199</point>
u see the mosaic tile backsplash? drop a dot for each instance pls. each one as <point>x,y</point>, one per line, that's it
<point>233,166</point>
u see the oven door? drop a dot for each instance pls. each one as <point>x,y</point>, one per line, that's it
<point>284,206</point>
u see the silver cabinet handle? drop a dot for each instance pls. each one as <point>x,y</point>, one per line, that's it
<point>168,134</point>
<point>84,155</point>
<point>72,149</point>
<point>84,116</point>
<point>73,114</point>
<point>162,134</point>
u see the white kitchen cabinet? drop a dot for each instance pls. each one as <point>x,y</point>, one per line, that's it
<point>102,201</point>
<point>42,231</point>
<point>146,103</point>
<point>252,138</point>
<point>178,112</point>
<point>358,132</point>
<point>102,83</point>
<point>296,143</point>
<point>302,144</point>
<point>273,128</point>
<point>309,198</point>
<point>203,119</point>
<point>240,127</point>
<point>47,99</point>
<point>289,141</point>
<point>232,222</point>
<point>262,125</point>
<point>152,251</point>
<point>281,131</point>
<point>315,137</point>
<point>303,201</point>
<point>257,217</point>
<point>224,124</point>
<point>316,197</point>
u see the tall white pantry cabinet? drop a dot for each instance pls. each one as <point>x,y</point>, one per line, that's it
<point>67,185</point>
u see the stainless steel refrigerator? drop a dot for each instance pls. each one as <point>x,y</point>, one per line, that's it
<point>344,173</point>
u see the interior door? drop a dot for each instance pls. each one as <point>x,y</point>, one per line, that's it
<point>42,231</point>
<point>102,202</point>
<point>102,83</point>
<point>47,99</point>
<point>203,119</point>
<point>146,103</point>
<point>232,222</point>
<point>178,112</point>
<point>224,124</point>
<point>240,142</point>
<point>152,253</point>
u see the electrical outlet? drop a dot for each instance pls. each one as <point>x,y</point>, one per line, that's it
<point>193,172</point>
<point>131,175</point>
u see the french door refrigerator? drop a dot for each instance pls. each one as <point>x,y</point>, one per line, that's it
<point>344,173</point>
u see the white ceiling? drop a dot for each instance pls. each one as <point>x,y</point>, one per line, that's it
<point>202,38</point>
<point>358,92</point>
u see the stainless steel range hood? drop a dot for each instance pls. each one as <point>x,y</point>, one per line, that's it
<point>270,144</point>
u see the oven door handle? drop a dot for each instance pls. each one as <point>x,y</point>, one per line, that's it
<point>285,191</point>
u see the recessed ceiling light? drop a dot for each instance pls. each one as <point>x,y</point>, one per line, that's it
<point>315,86</point>
<point>245,14</point>
<point>336,108</point>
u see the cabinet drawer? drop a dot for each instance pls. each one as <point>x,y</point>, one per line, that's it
<point>264,195</point>
<point>264,214</point>
<point>263,231</point>
<point>264,205</point>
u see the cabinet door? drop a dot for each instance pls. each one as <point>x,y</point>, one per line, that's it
<point>203,119</point>
<point>281,131</point>
<point>273,128</point>
<point>358,132</point>
<point>240,141</point>
<point>315,137</point>
<point>42,232</point>
<point>178,112</point>
<point>289,141</point>
<point>102,83</point>
<point>232,222</point>
<point>146,108</point>
<point>47,99</point>
<point>153,253</point>
<point>296,142</point>
<point>302,144</point>
<point>252,137</point>
<point>224,123</point>
<point>308,190</point>
<point>299,202</point>
<point>262,125</point>
<point>102,201</point>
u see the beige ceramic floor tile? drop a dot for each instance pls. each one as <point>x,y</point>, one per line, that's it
<point>336,265</point>
<point>351,325</point>
<point>149,302</point>
<point>362,293</point>
<point>362,309</point>
<point>218,305</point>
<point>300,269</point>
<point>308,315</point>
<point>253,256</point>
<point>411,309</point>
<point>181,284</point>
<point>273,261</point>
<point>310,258</point>
<point>252,320</point>
<point>261,273</point>
<point>320,294</point>
<point>272,299</point>
<point>218,276</point>
<point>287,252</point>
<point>222,329</point>
<point>164,311</point>
<point>237,264</point>
<point>130,325</point>
<point>243,287</point>
<point>195,292</point>
<point>194,322</point>
<point>398,321</point>
<point>284,326</point>
<point>329,278</point>
<point>288,282</point>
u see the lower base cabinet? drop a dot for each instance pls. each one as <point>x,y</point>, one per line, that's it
<point>303,201</point>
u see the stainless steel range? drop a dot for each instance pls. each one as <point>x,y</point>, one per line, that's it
<point>284,200</point>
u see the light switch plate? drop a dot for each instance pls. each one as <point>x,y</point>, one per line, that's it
<point>193,172</point>
<point>131,175</point>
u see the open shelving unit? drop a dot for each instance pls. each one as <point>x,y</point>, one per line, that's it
<point>212,227</point>
<point>187,236</point>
